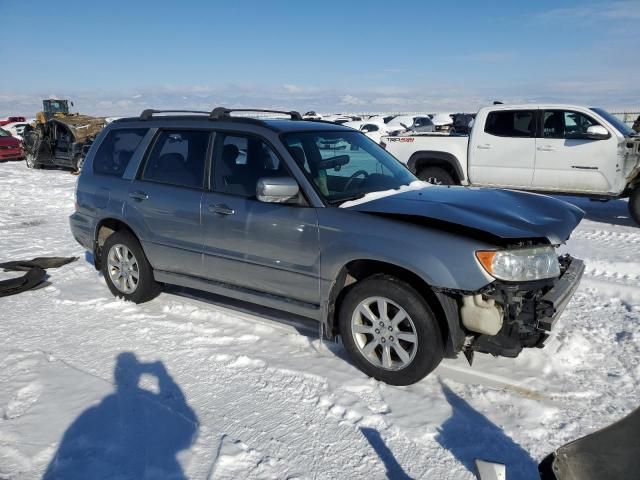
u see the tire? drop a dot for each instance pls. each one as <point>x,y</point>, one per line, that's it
<point>420,357</point>
<point>435,175</point>
<point>31,161</point>
<point>634,204</point>
<point>139,290</point>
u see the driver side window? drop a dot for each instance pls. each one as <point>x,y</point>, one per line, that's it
<point>240,161</point>
<point>566,124</point>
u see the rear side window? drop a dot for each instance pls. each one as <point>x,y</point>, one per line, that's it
<point>116,151</point>
<point>178,158</point>
<point>518,123</point>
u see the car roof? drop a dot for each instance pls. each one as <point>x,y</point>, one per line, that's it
<point>276,125</point>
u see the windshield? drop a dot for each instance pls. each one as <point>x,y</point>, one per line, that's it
<point>622,127</point>
<point>346,165</point>
<point>4,133</point>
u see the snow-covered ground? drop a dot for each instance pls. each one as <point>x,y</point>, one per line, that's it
<point>205,389</point>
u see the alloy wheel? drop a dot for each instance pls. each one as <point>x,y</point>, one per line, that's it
<point>384,333</point>
<point>123,268</point>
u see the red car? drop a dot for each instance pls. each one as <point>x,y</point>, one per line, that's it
<point>4,121</point>
<point>10,147</point>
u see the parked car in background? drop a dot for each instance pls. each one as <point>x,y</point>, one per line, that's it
<point>405,272</point>
<point>311,115</point>
<point>442,121</point>
<point>413,123</point>
<point>374,128</point>
<point>10,147</point>
<point>462,123</point>
<point>564,149</point>
<point>6,120</point>
<point>341,118</point>
<point>636,125</point>
<point>16,128</point>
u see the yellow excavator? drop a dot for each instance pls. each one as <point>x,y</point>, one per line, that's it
<point>58,137</point>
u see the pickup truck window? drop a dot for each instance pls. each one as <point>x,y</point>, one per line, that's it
<point>566,124</point>
<point>346,165</point>
<point>622,127</point>
<point>511,123</point>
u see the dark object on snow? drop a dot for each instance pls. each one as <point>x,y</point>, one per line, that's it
<point>35,273</point>
<point>609,453</point>
<point>636,124</point>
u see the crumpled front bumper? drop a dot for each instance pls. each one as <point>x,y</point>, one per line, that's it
<point>552,304</point>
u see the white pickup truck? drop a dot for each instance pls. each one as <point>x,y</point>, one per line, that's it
<point>562,149</point>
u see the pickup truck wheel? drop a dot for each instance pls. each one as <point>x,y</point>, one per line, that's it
<point>389,330</point>
<point>126,269</point>
<point>435,175</point>
<point>634,204</point>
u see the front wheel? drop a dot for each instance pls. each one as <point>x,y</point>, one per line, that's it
<point>31,161</point>
<point>389,330</point>
<point>634,204</point>
<point>126,269</point>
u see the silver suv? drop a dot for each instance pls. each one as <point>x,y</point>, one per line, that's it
<point>317,220</point>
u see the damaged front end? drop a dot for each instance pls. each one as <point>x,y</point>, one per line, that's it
<point>506,317</point>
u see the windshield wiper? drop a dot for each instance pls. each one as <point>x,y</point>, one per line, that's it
<point>338,201</point>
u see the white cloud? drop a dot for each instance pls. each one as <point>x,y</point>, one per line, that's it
<point>351,100</point>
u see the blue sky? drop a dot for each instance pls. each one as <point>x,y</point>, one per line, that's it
<point>119,57</point>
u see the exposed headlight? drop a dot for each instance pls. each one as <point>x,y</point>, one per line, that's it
<point>520,265</point>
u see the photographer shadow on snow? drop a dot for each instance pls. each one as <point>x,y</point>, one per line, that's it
<point>133,433</point>
<point>394,469</point>
<point>468,435</point>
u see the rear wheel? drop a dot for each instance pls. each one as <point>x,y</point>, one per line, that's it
<point>634,204</point>
<point>389,330</point>
<point>126,269</point>
<point>435,175</point>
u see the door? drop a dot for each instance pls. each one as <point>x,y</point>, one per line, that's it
<point>164,201</point>
<point>271,248</point>
<point>567,160</point>
<point>503,154</point>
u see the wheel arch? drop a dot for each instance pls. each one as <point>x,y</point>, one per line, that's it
<point>445,160</point>
<point>104,228</point>
<point>444,306</point>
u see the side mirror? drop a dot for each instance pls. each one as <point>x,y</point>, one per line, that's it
<point>277,190</point>
<point>597,132</point>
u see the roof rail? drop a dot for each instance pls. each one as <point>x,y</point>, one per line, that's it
<point>147,114</point>
<point>219,113</point>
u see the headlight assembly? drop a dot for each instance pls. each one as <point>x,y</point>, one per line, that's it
<point>520,265</point>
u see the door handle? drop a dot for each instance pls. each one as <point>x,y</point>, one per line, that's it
<point>547,148</point>
<point>139,195</point>
<point>485,146</point>
<point>221,209</point>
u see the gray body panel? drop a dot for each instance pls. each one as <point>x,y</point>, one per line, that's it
<point>288,257</point>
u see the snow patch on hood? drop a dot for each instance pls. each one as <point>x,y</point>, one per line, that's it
<point>369,197</point>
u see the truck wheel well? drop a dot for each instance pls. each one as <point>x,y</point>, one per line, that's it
<point>443,160</point>
<point>357,270</point>
<point>104,229</point>
<point>433,162</point>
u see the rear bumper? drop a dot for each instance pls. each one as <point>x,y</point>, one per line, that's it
<point>553,303</point>
<point>82,228</point>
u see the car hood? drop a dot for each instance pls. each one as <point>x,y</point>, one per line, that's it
<point>499,216</point>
